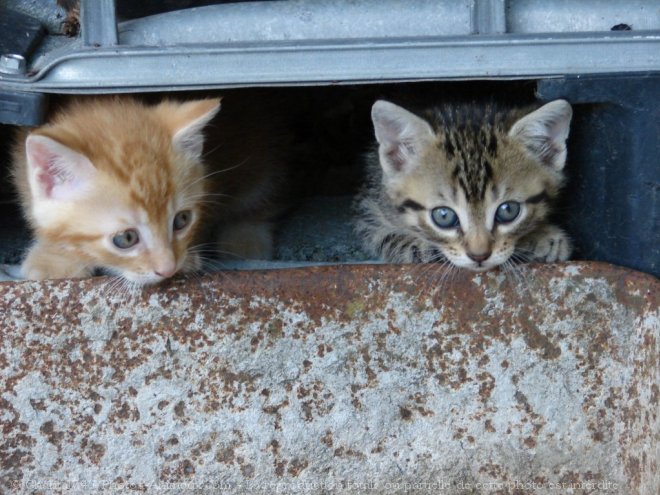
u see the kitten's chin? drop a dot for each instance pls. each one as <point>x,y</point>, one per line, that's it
<point>140,279</point>
<point>473,266</point>
<point>151,279</point>
<point>495,261</point>
<point>481,268</point>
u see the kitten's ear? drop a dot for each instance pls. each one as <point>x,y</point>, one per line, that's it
<point>544,132</point>
<point>187,124</point>
<point>400,134</point>
<point>55,171</point>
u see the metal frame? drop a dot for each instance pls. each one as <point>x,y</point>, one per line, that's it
<point>130,68</point>
<point>103,61</point>
<point>98,22</point>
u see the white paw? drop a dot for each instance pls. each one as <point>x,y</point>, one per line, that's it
<point>41,264</point>
<point>31,273</point>
<point>553,245</point>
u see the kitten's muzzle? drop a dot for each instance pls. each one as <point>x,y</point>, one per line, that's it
<point>166,273</point>
<point>164,264</point>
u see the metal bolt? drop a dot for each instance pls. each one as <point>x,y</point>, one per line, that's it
<point>12,63</point>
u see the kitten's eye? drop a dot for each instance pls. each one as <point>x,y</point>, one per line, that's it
<point>126,239</point>
<point>444,217</point>
<point>507,212</point>
<point>182,219</point>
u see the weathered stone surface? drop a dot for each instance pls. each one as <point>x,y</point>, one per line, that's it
<point>366,379</point>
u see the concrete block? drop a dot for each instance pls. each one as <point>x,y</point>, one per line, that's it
<point>340,379</point>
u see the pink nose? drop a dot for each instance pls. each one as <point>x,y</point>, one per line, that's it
<point>165,273</point>
<point>166,266</point>
<point>479,257</point>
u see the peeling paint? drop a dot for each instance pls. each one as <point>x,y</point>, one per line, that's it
<point>365,379</point>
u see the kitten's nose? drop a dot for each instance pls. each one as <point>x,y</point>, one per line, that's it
<point>479,257</point>
<point>166,266</point>
<point>165,273</point>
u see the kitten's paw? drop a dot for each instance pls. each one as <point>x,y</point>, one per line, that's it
<point>548,245</point>
<point>43,264</point>
<point>40,272</point>
<point>30,272</point>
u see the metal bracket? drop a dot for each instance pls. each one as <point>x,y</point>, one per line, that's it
<point>22,108</point>
<point>98,22</point>
<point>489,17</point>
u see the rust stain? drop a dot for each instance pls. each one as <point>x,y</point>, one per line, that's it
<point>53,436</point>
<point>327,439</point>
<point>285,375</point>
<point>297,466</point>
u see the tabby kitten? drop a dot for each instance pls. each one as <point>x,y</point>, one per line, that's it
<point>465,183</point>
<point>118,185</point>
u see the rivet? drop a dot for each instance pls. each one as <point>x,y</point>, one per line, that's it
<point>12,63</point>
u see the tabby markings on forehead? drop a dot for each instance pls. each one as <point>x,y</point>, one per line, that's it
<point>449,146</point>
<point>488,169</point>
<point>454,194</point>
<point>537,198</point>
<point>492,144</point>
<point>473,177</point>
<point>410,204</point>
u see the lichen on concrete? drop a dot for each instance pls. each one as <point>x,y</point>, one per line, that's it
<point>364,379</point>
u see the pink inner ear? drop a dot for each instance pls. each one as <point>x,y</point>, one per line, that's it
<point>46,181</point>
<point>189,137</point>
<point>58,171</point>
<point>42,160</point>
<point>396,158</point>
<point>389,131</point>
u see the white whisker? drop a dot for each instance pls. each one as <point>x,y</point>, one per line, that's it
<point>215,172</point>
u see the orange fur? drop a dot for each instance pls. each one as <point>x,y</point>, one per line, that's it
<point>145,167</point>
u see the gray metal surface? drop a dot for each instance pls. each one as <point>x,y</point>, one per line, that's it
<point>563,16</point>
<point>489,17</point>
<point>98,21</point>
<point>46,12</point>
<point>21,108</point>
<point>204,66</point>
<point>324,42</point>
<point>12,63</point>
<point>300,20</point>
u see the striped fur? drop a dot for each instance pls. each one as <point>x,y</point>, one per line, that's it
<point>470,159</point>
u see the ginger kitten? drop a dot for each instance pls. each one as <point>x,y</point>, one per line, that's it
<point>468,184</point>
<point>118,185</point>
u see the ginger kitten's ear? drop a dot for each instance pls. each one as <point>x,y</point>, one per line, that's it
<point>55,171</point>
<point>186,122</point>
<point>401,136</point>
<point>544,132</point>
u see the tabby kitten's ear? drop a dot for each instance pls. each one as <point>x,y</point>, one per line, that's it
<point>55,171</point>
<point>544,132</point>
<point>186,122</point>
<point>401,136</point>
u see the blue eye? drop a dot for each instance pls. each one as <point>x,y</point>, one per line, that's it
<point>182,219</point>
<point>126,239</point>
<point>444,217</point>
<point>507,212</point>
